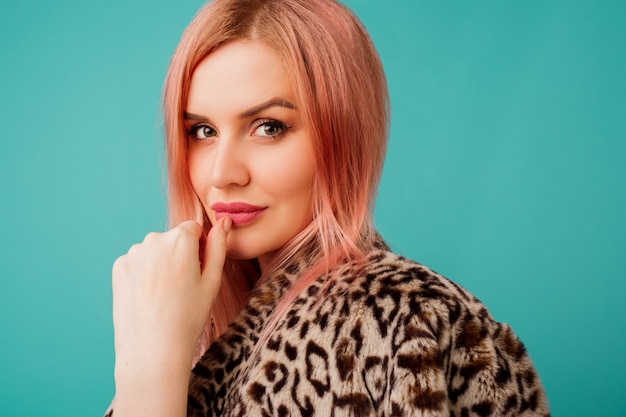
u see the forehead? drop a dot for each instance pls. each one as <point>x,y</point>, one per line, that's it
<point>237,75</point>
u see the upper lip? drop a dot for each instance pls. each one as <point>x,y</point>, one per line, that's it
<point>235,207</point>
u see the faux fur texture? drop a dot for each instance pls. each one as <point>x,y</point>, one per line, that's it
<point>392,338</point>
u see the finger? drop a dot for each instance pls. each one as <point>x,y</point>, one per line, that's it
<point>215,248</point>
<point>192,234</point>
<point>192,226</point>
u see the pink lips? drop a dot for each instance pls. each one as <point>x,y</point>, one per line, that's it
<point>240,213</point>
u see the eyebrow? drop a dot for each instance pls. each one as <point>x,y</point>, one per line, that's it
<point>274,102</point>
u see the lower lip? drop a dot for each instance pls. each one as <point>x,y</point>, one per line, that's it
<point>240,218</point>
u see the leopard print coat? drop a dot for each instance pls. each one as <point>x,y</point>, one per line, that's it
<point>391,339</point>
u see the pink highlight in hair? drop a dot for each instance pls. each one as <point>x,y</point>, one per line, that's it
<point>342,93</point>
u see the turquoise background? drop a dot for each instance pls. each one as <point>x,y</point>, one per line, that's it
<point>505,172</point>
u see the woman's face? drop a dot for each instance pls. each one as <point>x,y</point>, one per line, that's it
<point>250,156</point>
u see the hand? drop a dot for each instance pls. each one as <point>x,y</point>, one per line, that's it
<point>163,291</point>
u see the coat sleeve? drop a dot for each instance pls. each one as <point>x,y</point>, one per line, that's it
<point>489,371</point>
<point>450,358</point>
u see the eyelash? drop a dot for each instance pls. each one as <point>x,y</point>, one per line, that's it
<point>271,123</point>
<point>193,130</point>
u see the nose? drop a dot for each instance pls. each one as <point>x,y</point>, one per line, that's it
<point>229,164</point>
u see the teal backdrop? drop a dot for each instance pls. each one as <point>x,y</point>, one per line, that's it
<point>505,172</point>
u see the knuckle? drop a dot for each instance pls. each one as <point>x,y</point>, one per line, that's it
<point>134,250</point>
<point>119,266</point>
<point>186,232</point>
<point>151,237</point>
<point>189,226</point>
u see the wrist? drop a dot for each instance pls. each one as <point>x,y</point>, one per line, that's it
<point>150,365</point>
<point>151,391</point>
<point>156,354</point>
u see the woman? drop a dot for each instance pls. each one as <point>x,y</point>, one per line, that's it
<point>272,294</point>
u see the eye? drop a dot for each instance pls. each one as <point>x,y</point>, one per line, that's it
<point>269,128</point>
<point>201,131</point>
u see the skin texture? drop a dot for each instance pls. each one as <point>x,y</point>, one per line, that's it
<point>248,144</point>
<point>161,301</point>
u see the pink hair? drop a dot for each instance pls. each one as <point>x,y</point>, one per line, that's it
<point>342,94</point>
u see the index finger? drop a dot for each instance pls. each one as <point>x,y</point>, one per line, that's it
<point>215,250</point>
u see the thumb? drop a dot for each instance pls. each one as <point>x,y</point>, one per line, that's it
<point>215,252</point>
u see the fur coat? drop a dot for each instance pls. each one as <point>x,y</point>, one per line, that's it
<point>391,338</point>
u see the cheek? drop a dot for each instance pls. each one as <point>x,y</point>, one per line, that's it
<point>289,174</point>
<point>296,188</point>
<point>198,172</point>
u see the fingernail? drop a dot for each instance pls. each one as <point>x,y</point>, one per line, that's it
<point>227,224</point>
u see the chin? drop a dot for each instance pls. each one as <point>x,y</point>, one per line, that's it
<point>240,255</point>
<point>242,252</point>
